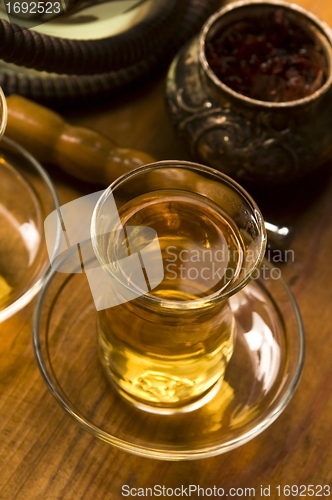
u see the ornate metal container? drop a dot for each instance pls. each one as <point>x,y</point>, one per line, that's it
<point>249,139</point>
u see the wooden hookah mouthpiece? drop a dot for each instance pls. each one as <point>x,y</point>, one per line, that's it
<point>79,151</point>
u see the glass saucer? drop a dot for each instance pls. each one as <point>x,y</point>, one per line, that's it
<point>27,196</point>
<point>260,378</point>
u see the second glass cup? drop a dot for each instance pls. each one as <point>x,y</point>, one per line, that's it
<point>176,240</point>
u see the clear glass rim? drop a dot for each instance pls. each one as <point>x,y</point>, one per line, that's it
<point>166,453</point>
<point>4,109</point>
<point>220,294</point>
<point>323,27</point>
<point>24,299</point>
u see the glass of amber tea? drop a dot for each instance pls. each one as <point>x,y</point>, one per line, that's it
<point>176,240</point>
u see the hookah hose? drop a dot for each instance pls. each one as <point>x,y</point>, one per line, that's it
<point>87,57</point>
<point>76,70</point>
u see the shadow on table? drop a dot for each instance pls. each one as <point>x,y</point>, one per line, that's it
<point>285,203</point>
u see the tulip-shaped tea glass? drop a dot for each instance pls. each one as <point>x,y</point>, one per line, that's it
<point>176,240</point>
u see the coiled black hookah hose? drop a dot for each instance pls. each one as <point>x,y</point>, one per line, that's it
<point>73,71</point>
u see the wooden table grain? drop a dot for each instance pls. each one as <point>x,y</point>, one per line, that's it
<point>44,455</point>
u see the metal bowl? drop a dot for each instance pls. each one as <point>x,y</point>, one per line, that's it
<point>248,139</point>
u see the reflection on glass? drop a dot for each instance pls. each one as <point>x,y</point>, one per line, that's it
<point>265,349</point>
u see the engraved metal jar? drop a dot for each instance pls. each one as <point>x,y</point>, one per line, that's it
<point>248,139</point>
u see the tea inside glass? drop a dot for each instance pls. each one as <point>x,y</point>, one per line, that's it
<point>167,349</point>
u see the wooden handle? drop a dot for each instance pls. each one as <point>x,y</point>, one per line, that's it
<point>83,153</point>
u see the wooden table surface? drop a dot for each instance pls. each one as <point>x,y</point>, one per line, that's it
<point>44,455</point>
